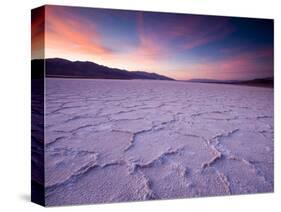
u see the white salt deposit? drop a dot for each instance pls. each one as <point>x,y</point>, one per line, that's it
<point>120,140</point>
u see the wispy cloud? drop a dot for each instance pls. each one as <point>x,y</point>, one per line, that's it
<point>209,37</point>
<point>207,31</point>
<point>194,31</point>
<point>148,47</point>
<point>67,33</point>
<point>147,52</point>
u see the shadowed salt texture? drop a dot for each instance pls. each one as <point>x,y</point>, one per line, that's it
<point>117,140</point>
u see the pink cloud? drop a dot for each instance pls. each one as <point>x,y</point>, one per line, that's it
<point>149,51</point>
<point>66,33</point>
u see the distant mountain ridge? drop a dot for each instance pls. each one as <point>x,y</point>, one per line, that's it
<point>265,82</point>
<point>62,68</point>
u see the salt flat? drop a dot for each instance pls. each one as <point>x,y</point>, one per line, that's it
<point>125,140</point>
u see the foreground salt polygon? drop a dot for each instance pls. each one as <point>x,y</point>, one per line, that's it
<point>123,140</point>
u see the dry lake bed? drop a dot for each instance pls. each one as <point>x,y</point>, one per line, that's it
<point>126,140</point>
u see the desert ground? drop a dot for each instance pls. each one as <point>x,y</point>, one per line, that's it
<point>131,140</point>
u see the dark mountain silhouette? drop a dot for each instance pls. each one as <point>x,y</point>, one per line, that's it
<point>264,82</point>
<point>61,68</point>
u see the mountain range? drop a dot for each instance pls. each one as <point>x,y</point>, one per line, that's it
<point>62,68</point>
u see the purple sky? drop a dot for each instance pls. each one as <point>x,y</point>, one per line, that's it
<point>176,45</point>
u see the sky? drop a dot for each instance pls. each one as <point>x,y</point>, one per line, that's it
<point>181,46</point>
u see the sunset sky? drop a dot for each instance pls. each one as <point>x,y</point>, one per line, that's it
<point>176,45</point>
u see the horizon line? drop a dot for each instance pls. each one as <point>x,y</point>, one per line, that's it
<point>211,79</point>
